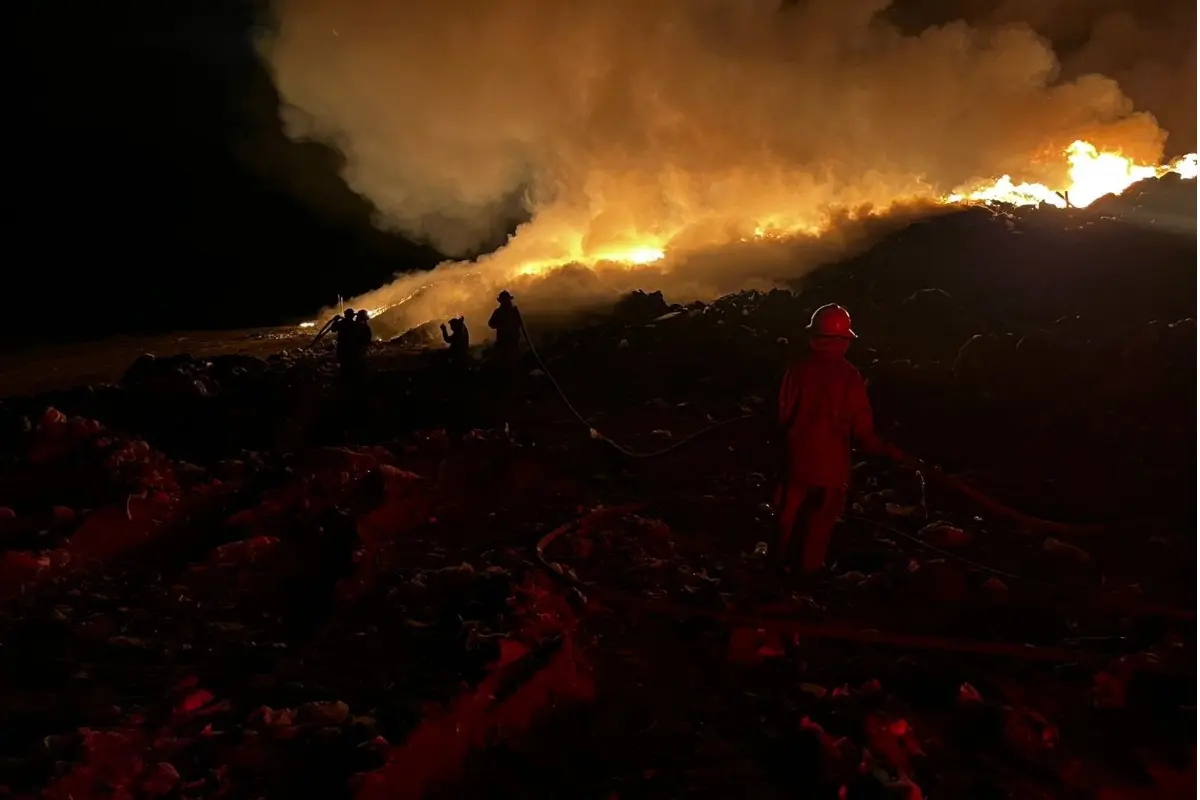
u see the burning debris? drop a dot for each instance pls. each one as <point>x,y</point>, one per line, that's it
<point>1093,175</point>
<point>1109,180</point>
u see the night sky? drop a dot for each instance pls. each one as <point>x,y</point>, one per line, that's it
<point>151,186</point>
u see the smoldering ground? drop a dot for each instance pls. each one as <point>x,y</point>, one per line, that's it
<point>676,125</point>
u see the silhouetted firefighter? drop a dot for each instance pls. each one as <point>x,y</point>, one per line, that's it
<point>354,339</point>
<point>458,376</point>
<point>506,322</point>
<point>342,327</point>
<point>362,337</point>
<point>459,339</point>
<point>823,404</point>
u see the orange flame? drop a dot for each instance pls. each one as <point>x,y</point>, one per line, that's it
<point>1093,175</point>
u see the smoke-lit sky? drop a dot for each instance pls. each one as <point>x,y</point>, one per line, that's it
<point>687,107</point>
<point>151,174</point>
<point>1148,46</point>
<point>692,121</point>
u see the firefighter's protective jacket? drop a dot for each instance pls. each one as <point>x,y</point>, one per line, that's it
<point>823,405</point>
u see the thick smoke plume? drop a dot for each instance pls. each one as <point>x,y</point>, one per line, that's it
<point>676,124</point>
<point>1148,46</point>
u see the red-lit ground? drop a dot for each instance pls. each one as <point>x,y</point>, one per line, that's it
<point>286,591</point>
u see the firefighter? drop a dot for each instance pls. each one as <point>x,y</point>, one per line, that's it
<point>459,339</point>
<point>506,322</point>
<point>458,377</point>
<point>823,405</point>
<point>341,324</point>
<point>362,339</point>
<point>363,320</point>
<point>354,338</point>
<point>344,328</point>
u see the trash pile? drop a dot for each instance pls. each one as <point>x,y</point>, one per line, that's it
<point>227,576</point>
<point>201,622</point>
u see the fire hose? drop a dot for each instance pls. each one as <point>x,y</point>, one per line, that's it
<point>1027,521</point>
<point>951,482</point>
<point>1136,607</point>
<point>597,435</point>
<point>591,592</point>
<point>321,333</point>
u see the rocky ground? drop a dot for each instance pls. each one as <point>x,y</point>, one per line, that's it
<point>226,577</point>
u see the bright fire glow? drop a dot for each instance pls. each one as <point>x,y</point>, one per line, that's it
<point>639,255</point>
<point>1186,167</point>
<point>1093,175</point>
<point>631,257</point>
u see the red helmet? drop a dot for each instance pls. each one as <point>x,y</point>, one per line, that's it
<point>831,320</point>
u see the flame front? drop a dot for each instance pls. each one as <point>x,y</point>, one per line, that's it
<point>1093,175</point>
<point>639,255</point>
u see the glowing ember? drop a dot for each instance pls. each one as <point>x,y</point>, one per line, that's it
<point>1093,175</point>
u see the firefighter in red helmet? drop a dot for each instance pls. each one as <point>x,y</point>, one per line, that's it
<point>823,405</point>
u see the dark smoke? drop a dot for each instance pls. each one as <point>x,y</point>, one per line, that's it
<point>1147,46</point>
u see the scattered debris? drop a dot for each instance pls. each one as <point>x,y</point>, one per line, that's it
<point>353,587</point>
